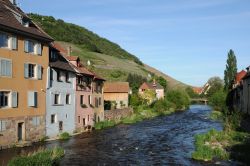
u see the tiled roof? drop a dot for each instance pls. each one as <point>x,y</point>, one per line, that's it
<point>147,85</point>
<point>240,76</point>
<point>84,70</point>
<point>9,22</point>
<point>197,90</point>
<point>116,87</point>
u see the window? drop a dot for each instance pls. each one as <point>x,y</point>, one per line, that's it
<point>90,99</point>
<point>82,99</point>
<point>79,119</point>
<point>32,99</point>
<point>88,118</point>
<point>56,99</point>
<point>4,99</point>
<point>8,99</point>
<point>7,41</point>
<point>32,47</point>
<point>5,68</point>
<point>100,101</point>
<point>59,76</point>
<point>67,78</point>
<point>96,102</point>
<point>67,99</point>
<point>53,119</point>
<point>2,125</point>
<point>36,121</point>
<point>33,71</point>
<point>3,40</point>
<point>53,55</point>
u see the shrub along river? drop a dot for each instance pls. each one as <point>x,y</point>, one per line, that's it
<point>165,140</point>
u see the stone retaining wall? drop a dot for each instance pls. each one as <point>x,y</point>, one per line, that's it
<point>117,114</point>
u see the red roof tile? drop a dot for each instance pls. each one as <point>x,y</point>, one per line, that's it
<point>116,87</point>
<point>240,76</point>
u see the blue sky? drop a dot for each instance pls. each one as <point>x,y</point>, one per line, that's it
<point>186,39</point>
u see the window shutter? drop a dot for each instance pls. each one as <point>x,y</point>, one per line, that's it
<point>32,99</point>
<point>39,72</point>
<point>3,125</point>
<point>38,49</point>
<point>26,46</point>
<point>26,70</point>
<point>13,43</point>
<point>48,78</point>
<point>3,67</point>
<point>35,99</point>
<point>8,68</point>
<point>14,99</point>
<point>60,98</point>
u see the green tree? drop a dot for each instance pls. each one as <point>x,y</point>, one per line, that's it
<point>180,98</point>
<point>191,92</point>
<point>230,71</point>
<point>162,82</point>
<point>216,84</point>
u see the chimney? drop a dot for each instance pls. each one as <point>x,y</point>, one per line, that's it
<point>248,69</point>
<point>69,50</point>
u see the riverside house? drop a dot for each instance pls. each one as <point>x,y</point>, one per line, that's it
<point>156,87</point>
<point>60,95</point>
<point>84,108</point>
<point>246,92</point>
<point>24,52</point>
<point>97,91</point>
<point>117,93</point>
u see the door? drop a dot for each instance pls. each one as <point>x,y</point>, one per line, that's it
<point>60,126</point>
<point>20,131</point>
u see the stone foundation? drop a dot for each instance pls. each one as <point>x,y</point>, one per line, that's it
<point>118,114</point>
<point>32,131</point>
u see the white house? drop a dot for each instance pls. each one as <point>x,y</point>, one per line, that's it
<point>60,95</point>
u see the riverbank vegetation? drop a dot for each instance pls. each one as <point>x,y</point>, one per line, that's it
<point>175,100</point>
<point>233,142</point>
<point>48,157</point>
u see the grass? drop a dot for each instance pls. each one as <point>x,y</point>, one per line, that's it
<point>47,157</point>
<point>105,124</point>
<point>210,145</point>
<point>64,136</point>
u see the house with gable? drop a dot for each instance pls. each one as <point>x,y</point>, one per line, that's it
<point>60,95</point>
<point>24,60</point>
<point>155,87</point>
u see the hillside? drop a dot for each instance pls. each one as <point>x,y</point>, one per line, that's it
<point>107,59</point>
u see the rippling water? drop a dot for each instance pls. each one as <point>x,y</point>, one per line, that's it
<point>160,141</point>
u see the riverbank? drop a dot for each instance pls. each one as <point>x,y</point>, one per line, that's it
<point>232,143</point>
<point>44,157</point>
<point>140,113</point>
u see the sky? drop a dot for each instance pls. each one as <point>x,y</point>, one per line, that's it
<point>186,39</point>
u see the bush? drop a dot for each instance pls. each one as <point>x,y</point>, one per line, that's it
<point>218,100</point>
<point>163,107</point>
<point>180,98</point>
<point>135,100</point>
<point>42,158</point>
<point>64,136</point>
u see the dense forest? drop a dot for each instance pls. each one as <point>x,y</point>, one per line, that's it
<point>67,32</point>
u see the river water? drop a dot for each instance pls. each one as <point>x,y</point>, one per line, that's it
<point>165,140</point>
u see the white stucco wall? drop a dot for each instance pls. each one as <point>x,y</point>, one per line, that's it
<point>63,111</point>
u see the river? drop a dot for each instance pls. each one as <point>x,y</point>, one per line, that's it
<point>165,140</point>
